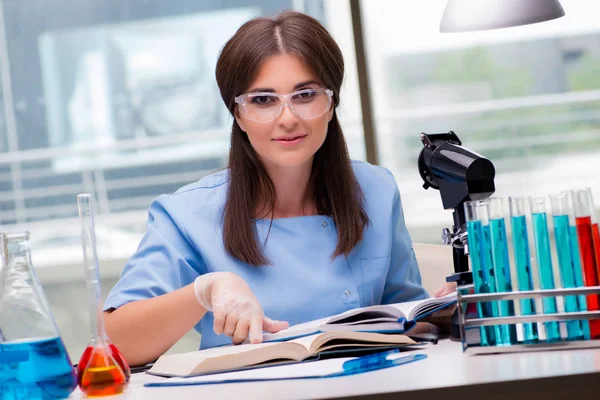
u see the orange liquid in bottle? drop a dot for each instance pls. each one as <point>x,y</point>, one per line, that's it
<point>102,370</point>
<point>102,375</point>
<point>85,359</point>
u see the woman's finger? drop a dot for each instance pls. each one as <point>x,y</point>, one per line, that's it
<point>273,326</point>
<point>241,331</point>
<point>256,324</point>
<point>230,323</point>
<point>219,319</point>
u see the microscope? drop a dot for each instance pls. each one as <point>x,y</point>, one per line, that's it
<point>460,175</point>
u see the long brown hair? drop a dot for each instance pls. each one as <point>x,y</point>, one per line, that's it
<point>333,186</point>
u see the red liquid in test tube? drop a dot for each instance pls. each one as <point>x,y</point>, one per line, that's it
<point>589,247</point>
<point>596,234</point>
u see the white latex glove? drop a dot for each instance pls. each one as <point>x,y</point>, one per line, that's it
<point>237,312</point>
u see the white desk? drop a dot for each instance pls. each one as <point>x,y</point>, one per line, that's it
<point>445,372</point>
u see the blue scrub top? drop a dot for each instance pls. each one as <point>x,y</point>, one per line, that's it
<point>185,239</point>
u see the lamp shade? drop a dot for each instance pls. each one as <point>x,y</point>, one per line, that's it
<point>476,15</point>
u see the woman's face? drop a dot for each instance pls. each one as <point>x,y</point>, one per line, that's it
<point>288,140</point>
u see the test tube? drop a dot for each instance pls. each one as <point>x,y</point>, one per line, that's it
<point>583,207</point>
<point>595,227</point>
<point>577,263</point>
<point>518,220</point>
<point>499,247</point>
<point>544,257</point>
<point>561,215</point>
<point>478,233</point>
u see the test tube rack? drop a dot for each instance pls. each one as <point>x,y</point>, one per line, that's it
<point>470,324</point>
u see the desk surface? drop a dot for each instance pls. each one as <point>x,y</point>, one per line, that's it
<point>446,371</point>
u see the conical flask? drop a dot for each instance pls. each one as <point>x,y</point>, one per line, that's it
<point>34,363</point>
<point>102,370</point>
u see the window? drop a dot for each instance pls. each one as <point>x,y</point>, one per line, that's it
<point>527,98</point>
<point>119,99</point>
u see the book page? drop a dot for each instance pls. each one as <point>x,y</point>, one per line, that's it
<point>226,358</point>
<point>369,326</point>
<point>371,314</point>
<point>338,340</point>
<point>363,315</point>
<point>414,309</point>
<point>184,363</point>
<point>296,331</point>
<point>307,341</point>
<point>381,317</point>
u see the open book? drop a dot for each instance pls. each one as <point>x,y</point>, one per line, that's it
<point>229,358</point>
<point>390,318</point>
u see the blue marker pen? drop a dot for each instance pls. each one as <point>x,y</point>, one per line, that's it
<point>376,361</point>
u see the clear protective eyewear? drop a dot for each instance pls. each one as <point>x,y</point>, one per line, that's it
<point>266,106</point>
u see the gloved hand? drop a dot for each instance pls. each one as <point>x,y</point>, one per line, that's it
<point>237,312</point>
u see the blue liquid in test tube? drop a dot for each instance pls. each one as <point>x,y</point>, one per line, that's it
<point>544,256</point>
<point>501,262</point>
<point>481,263</point>
<point>523,263</point>
<point>563,249</point>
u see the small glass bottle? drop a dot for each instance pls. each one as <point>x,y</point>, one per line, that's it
<point>34,363</point>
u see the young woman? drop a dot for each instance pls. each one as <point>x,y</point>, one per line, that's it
<point>291,231</point>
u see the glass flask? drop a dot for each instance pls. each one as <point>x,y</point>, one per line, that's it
<point>34,363</point>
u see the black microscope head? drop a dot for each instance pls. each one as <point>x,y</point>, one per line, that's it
<point>458,173</point>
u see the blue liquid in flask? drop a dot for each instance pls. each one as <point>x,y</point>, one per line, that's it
<point>567,273</point>
<point>483,278</point>
<point>524,277</point>
<point>39,369</point>
<point>542,246</point>
<point>506,308</point>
